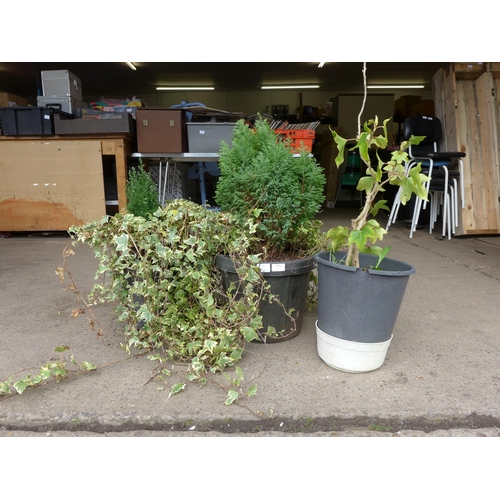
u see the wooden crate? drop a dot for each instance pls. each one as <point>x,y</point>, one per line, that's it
<point>469,111</point>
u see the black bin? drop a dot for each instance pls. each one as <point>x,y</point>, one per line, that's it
<point>27,120</point>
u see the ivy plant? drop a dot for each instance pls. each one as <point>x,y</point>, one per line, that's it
<point>56,369</point>
<point>161,273</point>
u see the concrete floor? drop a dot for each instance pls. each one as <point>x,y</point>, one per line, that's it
<point>441,373</point>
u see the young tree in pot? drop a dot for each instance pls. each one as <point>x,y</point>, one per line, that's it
<point>282,192</point>
<point>141,191</point>
<point>360,290</point>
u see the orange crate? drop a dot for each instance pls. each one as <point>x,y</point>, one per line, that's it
<point>297,138</point>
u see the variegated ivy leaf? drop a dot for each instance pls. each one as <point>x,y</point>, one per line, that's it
<point>232,397</point>
<point>176,388</point>
<point>121,242</point>
<point>252,391</point>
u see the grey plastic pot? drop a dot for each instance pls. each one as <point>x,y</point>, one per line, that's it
<point>289,281</point>
<point>360,305</point>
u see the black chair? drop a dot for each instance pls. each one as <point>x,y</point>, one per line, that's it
<point>445,180</point>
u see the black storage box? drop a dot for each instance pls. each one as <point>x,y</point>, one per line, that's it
<point>27,120</point>
<point>122,123</point>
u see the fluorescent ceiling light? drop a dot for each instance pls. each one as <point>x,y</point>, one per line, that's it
<point>320,65</point>
<point>131,66</point>
<point>395,86</point>
<point>273,87</point>
<point>185,88</point>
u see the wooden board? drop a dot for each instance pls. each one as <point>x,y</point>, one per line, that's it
<point>468,109</point>
<point>49,185</point>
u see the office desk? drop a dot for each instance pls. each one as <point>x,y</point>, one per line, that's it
<point>164,187</point>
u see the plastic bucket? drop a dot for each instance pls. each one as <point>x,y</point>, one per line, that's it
<point>348,356</point>
<point>289,281</point>
<point>360,305</point>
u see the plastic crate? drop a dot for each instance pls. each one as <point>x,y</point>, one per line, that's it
<point>27,120</point>
<point>205,137</point>
<point>297,138</point>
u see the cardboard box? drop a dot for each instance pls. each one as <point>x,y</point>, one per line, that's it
<point>9,100</point>
<point>423,108</point>
<point>468,71</point>
<point>403,107</point>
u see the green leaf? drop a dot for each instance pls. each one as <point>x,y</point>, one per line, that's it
<point>85,365</point>
<point>364,147</point>
<point>341,142</point>
<point>338,236</point>
<point>210,345</point>
<point>365,184</point>
<point>358,237</point>
<point>380,253</point>
<point>61,348</point>
<point>176,388</point>
<point>20,386</point>
<point>380,205</point>
<point>252,391</point>
<point>5,386</point>
<point>121,242</point>
<point>249,333</point>
<point>380,141</point>
<point>232,397</point>
<point>44,372</point>
<point>414,140</point>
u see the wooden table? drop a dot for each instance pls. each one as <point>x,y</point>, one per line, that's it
<point>49,183</point>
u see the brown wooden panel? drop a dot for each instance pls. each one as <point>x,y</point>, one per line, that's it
<point>489,150</point>
<point>468,108</point>
<point>49,185</point>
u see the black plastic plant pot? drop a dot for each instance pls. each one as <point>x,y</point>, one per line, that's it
<point>290,282</point>
<point>360,305</point>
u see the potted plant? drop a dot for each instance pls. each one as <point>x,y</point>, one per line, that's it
<point>282,192</point>
<point>360,290</point>
<point>168,260</point>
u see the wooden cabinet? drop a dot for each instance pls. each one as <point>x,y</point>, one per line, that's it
<point>50,183</point>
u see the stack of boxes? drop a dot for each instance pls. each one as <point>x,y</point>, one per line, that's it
<point>61,89</point>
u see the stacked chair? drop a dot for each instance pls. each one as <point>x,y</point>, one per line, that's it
<point>446,184</point>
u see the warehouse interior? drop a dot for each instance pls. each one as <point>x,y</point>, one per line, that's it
<point>310,96</point>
